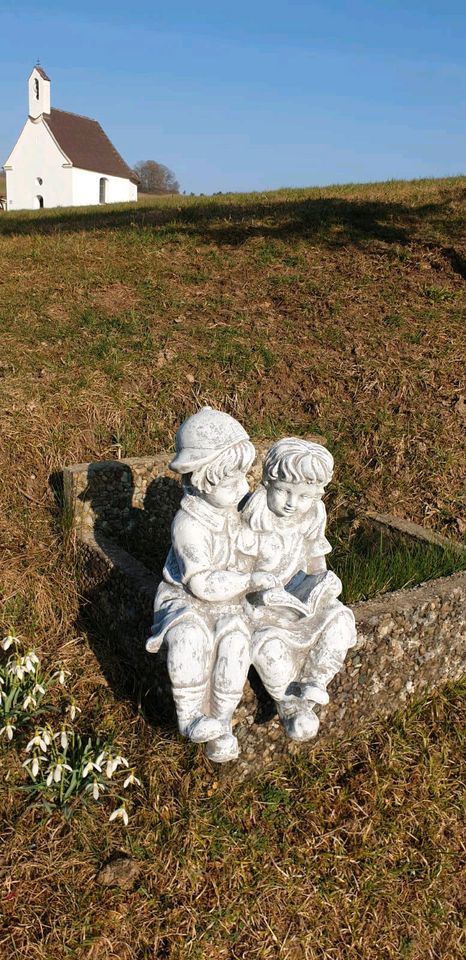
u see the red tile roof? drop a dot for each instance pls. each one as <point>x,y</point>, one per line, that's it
<point>86,145</point>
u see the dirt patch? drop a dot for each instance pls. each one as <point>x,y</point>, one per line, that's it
<point>114,299</point>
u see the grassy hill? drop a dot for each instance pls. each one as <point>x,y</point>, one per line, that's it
<point>338,311</point>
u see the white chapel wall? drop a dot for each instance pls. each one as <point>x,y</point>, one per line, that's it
<point>86,188</point>
<point>35,156</point>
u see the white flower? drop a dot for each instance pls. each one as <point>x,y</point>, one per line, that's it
<point>113,763</point>
<point>100,760</point>
<point>38,688</point>
<point>30,661</point>
<point>7,641</point>
<point>29,700</point>
<point>131,779</point>
<point>62,737</point>
<point>40,739</point>
<point>8,730</point>
<point>35,764</point>
<point>97,789</point>
<point>91,765</point>
<point>120,812</point>
<point>16,669</point>
<point>56,772</point>
<point>61,674</point>
<point>73,710</point>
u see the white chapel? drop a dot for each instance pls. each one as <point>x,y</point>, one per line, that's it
<point>62,159</point>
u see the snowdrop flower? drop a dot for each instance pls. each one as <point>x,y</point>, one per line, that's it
<point>120,812</point>
<point>30,661</point>
<point>55,772</point>
<point>40,739</point>
<point>34,761</point>
<point>29,700</point>
<point>97,789</point>
<point>62,737</point>
<point>113,763</point>
<point>8,730</point>
<point>38,688</point>
<point>131,779</point>
<point>109,768</point>
<point>91,765</point>
<point>17,669</point>
<point>61,674</point>
<point>7,641</point>
<point>73,710</point>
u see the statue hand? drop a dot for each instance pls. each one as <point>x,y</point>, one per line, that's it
<point>260,580</point>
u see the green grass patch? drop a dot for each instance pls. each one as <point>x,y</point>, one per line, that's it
<point>371,565</point>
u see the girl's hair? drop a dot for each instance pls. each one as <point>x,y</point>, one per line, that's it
<point>240,456</point>
<point>298,461</point>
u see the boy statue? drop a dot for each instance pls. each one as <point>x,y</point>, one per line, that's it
<point>199,605</point>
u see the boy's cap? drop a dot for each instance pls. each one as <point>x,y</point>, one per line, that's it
<point>203,436</point>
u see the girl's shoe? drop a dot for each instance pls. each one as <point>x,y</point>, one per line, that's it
<point>222,749</point>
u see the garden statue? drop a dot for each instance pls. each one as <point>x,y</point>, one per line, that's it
<point>246,582</point>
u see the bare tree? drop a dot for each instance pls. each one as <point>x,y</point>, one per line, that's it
<point>156,178</point>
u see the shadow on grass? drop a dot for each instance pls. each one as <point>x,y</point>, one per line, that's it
<point>118,575</point>
<point>329,221</point>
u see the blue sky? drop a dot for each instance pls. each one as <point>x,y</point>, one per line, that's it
<point>252,95</point>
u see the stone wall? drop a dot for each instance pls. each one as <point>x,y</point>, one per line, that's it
<point>408,641</point>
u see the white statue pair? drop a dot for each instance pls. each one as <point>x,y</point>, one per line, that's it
<point>245,582</point>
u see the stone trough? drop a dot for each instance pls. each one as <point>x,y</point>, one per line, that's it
<point>409,641</point>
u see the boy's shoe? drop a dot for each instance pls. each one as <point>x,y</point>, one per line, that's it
<point>202,729</point>
<point>222,749</point>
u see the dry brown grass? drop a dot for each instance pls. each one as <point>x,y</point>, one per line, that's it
<point>340,311</point>
<point>342,858</point>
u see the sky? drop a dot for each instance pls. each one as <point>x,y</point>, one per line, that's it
<point>252,95</point>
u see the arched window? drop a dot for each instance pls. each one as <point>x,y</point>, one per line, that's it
<point>103,190</point>
<point>36,88</point>
<point>39,202</point>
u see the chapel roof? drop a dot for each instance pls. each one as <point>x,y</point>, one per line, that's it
<point>42,72</point>
<point>86,144</point>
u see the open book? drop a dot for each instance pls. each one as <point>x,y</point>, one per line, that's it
<point>302,596</point>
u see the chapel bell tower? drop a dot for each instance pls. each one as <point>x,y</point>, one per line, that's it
<point>39,93</point>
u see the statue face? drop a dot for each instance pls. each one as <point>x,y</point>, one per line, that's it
<point>228,492</point>
<point>292,499</point>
